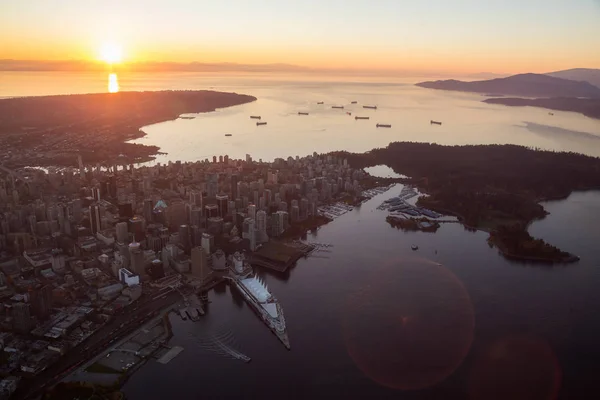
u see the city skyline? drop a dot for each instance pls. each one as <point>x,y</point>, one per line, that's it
<point>459,37</point>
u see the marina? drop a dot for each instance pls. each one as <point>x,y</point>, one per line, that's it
<point>333,211</point>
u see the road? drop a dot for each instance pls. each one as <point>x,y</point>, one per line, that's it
<point>94,345</point>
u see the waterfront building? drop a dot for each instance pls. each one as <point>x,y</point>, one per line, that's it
<point>200,267</point>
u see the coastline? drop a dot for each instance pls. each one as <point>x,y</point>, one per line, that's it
<point>54,130</point>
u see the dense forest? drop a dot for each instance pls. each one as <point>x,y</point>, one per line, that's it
<point>487,186</point>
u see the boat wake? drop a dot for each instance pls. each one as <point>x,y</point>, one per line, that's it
<point>220,343</point>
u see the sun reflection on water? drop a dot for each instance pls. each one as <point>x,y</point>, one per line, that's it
<point>113,83</point>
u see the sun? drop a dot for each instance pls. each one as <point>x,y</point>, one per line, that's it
<point>111,53</point>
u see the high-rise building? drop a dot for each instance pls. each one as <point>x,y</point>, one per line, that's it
<point>234,186</point>
<point>200,267</point>
<point>176,215</point>
<point>215,225</point>
<point>261,226</point>
<point>58,261</point>
<point>295,214</point>
<point>222,204</point>
<point>196,216</point>
<point>41,301</point>
<point>148,207</point>
<point>81,167</point>
<point>136,259</point>
<point>95,221</point>
<point>137,226</point>
<point>211,210</point>
<point>122,232</point>
<point>22,321</point>
<point>251,211</point>
<point>208,242</point>
<point>196,198</point>
<point>184,238</point>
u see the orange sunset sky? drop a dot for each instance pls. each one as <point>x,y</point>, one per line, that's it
<point>461,36</point>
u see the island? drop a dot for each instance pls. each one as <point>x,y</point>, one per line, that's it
<point>494,188</point>
<point>54,130</point>
<point>588,107</point>
<point>525,85</point>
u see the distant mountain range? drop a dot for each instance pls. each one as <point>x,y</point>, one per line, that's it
<point>579,74</point>
<point>525,85</point>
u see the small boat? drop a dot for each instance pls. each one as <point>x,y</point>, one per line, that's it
<point>228,134</point>
<point>371,107</point>
<point>414,247</point>
<point>357,117</point>
<point>319,102</point>
<point>302,113</point>
<point>354,102</point>
<point>255,116</point>
<point>550,113</point>
<point>186,117</point>
<point>435,122</point>
<point>384,125</point>
<point>339,107</point>
<point>260,123</point>
<point>348,112</point>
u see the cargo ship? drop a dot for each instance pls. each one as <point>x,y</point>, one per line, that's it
<point>264,304</point>
<point>260,123</point>
<point>357,117</point>
<point>371,107</point>
<point>384,125</point>
<point>228,134</point>
<point>255,116</point>
<point>435,122</point>
<point>339,107</point>
<point>319,102</point>
<point>302,113</point>
<point>354,102</point>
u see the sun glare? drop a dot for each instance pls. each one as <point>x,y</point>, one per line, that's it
<point>111,53</point>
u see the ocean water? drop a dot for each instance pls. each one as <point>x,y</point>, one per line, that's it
<point>372,318</point>
<point>409,109</point>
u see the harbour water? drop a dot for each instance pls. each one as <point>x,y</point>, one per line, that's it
<point>374,296</point>
<point>372,318</point>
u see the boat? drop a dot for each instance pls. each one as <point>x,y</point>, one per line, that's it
<point>384,125</point>
<point>260,123</point>
<point>371,107</point>
<point>255,116</point>
<point>264,304</point>
<point>414,247</point>
<point>435,122</point>
<point>319,102</point>
<point>339,107</point>
<point>357,117</point>
<point>182,117</point>
<point>302,113</point>
<point>354,102</point>
<point>550,113</point>
<point>348,112</point>
<point>228,134</point>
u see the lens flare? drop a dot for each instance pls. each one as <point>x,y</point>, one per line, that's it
<point>410,326</point>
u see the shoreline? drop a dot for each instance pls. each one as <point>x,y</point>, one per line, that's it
<point>45,131</point>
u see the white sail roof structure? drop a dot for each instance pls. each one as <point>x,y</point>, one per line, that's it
<point>257,288</point>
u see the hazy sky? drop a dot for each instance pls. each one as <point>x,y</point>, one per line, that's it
<point>448,35</point>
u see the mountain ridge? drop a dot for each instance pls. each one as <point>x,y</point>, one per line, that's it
<point>522,85</point>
